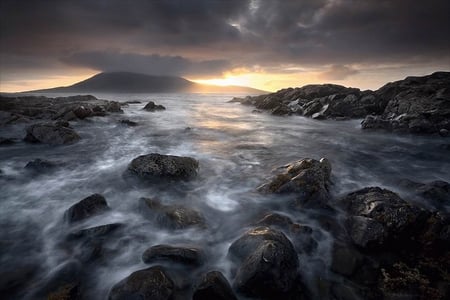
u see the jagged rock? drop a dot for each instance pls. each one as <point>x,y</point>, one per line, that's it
<point>190,256</point>
<point>51,134</point>
<point>149,284</point>
<point>151,106</point>
<point>308,178</point>
<point>365,232</point>
<point>267,263</point>
<point>397,217</point>
<point>90,206</point>
<point>213,285</point>
<point>172,216</point>
<point>154,166</point>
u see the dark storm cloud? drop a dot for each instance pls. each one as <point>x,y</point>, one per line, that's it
<point>151,64</point>
<point>202,35</point>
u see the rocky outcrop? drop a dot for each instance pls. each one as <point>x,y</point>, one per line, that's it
<point>267,263</point>
<point>308,179</point>
<point>152,107</point>
<point>157,166</point>
<point>88,207</point>
<point>149,284</point>
<point>414,105</point>
<point>52,134</point>
<point>171,216</point>
<point>213,285</point>
<point>190,256</point>
<point>26,108</point>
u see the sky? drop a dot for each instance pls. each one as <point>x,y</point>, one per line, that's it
<point>266,44</point>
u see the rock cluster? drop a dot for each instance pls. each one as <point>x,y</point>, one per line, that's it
<point>414,105</point>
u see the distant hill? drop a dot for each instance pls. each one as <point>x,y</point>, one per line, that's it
<point>126,82</point>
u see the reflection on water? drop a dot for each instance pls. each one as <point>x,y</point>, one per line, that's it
<point>237,151</point>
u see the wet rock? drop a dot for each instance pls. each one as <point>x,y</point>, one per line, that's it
<point>65,280</point>
<point>436,192</point>
<point>51,134</point>
<point>42,166</point>
<point>152,107</point>
<point>397,217</point>
<point>82,112</point>
<point>267,263</point>
<point>443,132</point>
<point>281,110</point>
<point>277,220</point>
<point>133,102</point>
<point>154,166</point>
<point>149,284</point>
<point>128,123</point>
<point>172,216</point>
<point>96,232</point>
<point>213,285</point>
<point>190,256</point>
<point>308,178</point>
<point>6,141</point>
<point>345,259</point>
<point>15,280</point>
<point>365,232</point>
<point>88,207</point>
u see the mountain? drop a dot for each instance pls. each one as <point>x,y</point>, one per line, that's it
<point>126,82</point>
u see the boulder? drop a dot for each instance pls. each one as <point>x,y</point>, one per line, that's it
<point>51,134</point>
<point>190,256</point>
<point>213,285</point>
<point>154,166</point>
<point>172,216</point>
<point>152,107</point>
<point>267,263</point>
<point>397,217</point>
<point>88,207</point>
<point>149,284</point>
<point>308,178</point>
<point>365,232</point>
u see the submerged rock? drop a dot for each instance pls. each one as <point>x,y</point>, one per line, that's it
<point>172,216</point>
<point>88,207</point>
<point>51,134</point>
<point>213,285</point>
<point>152,107</point>
<point>190,256</point>
<point>308,178</point>
<point>128,123</point>
<point>6,141</point>
<point>154,166</point>
<point>267,263</point>
<point>149,284</point>
<point>42,166</point>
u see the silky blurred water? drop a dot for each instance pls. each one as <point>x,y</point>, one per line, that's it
<point>237,151</point>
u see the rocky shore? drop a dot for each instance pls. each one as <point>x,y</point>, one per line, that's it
<point>383,246</point>
<point>418,105</point>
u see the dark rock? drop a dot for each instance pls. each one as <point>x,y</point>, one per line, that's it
<point>274,219</point>
<point>190,256</point>
<point>308,178</point>
<point>96,232</point>
<point>151,106</point>
<point>396,216</point>
<point>443,132</point>
<point>88,207</point>
<point>267,263</point>
<point>154,166</point>
<point>213,285</point>
<point>65,279</point>
<point>365,232</point>
<point>128,123</point>
<point>14,280</point>
<point>51,134</point>
<point>149,284</point>
<point>6,141</point>
<point>41,166</point>
<point>113,106</point>
<point>436,192</point>
<point>345,259</point>
<point>133,102</point>
<point>82,112</point>
<point>281,110</point>
<point>172,216</point>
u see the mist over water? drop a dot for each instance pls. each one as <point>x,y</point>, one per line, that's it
<point>237,151</point>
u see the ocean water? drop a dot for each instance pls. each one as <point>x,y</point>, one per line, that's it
<point>238,150</point>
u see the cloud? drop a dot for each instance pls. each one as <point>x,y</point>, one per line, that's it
<point>206,36</point>
<point>337,72</point>
<point>150,64</point>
